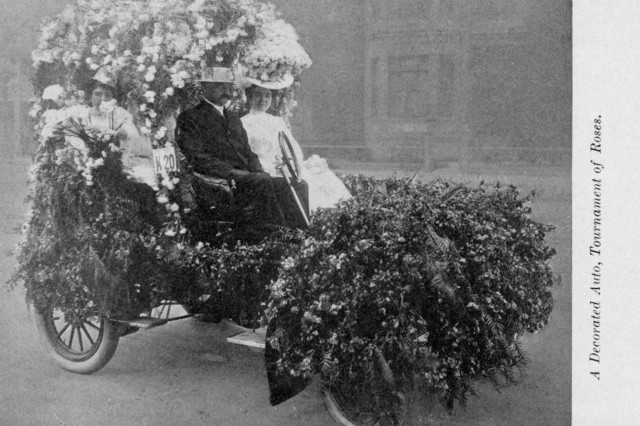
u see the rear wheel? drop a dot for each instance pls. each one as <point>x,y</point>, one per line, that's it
<point>78,343</point>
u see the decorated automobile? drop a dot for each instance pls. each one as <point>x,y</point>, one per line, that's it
<point>402,283</point>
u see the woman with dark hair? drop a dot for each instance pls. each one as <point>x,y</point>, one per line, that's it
<point>105,116</point>
<point>325,188</point>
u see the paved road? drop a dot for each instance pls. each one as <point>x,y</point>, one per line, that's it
<point>185,373</point>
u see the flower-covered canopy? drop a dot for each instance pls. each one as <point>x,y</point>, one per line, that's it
<point>157,48</point>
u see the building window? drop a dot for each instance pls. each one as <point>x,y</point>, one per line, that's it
<point>408,86</point>
<point>421,86</point>
<point>374,101</point>
<point>447,11</point>
<point>445,86</point>
<point>375,8</point>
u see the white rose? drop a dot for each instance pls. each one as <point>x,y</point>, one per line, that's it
<point>150,96</point>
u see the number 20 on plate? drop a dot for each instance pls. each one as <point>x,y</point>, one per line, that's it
<point>165,160</point>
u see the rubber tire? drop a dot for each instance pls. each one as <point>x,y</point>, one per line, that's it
<point>92,360</point>
<point>341,418</point>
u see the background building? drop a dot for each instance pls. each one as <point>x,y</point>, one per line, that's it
<point>19,22</point>
<point>436,80</point>
<point>420,81</point>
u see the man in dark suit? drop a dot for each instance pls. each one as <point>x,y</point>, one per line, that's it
<point>215,144</point>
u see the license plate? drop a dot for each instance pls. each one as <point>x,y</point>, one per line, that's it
<point>165,160</point>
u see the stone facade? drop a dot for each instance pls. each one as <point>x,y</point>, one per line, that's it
<point>431,80</point>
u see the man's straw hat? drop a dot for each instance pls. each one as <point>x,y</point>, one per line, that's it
<point>216,75</point>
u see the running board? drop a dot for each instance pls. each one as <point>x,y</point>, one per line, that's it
<point>250,338</point>
<point>144,322</point>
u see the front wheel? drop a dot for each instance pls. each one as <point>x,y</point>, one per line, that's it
<point>348,411</point>
<point>77,343</point>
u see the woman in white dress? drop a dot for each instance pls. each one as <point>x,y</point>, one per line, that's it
<point>106,116</point>
<point>325,188</point>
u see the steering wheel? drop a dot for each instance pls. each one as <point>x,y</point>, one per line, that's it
<point>289,156</point>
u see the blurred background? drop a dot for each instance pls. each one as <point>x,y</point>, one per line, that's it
<point>435,83</point>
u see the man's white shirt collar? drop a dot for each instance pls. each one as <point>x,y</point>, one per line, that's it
<point>219,108</point>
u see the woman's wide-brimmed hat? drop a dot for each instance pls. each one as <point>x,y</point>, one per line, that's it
<point>106,76</point>
<point>244,81</point>
<point>277,84</point>
<point>216,75</point>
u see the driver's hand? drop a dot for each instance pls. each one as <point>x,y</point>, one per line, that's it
<point>279,161</point>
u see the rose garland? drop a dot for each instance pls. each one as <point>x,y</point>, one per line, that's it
<point>158,47</point>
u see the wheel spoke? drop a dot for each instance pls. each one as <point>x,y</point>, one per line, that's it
<point>63,330</point>
<point>80,339</point>
<point>70,344</point>
<point>86,332</point>
<point>89,323</point>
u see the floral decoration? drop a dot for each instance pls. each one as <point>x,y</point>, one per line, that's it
<point>158,48</point>
<point>406,280</point>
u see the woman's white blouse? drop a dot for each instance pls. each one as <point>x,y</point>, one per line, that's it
<point>325,188</point>
<point>262,131</point>
<point>137,153</point>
